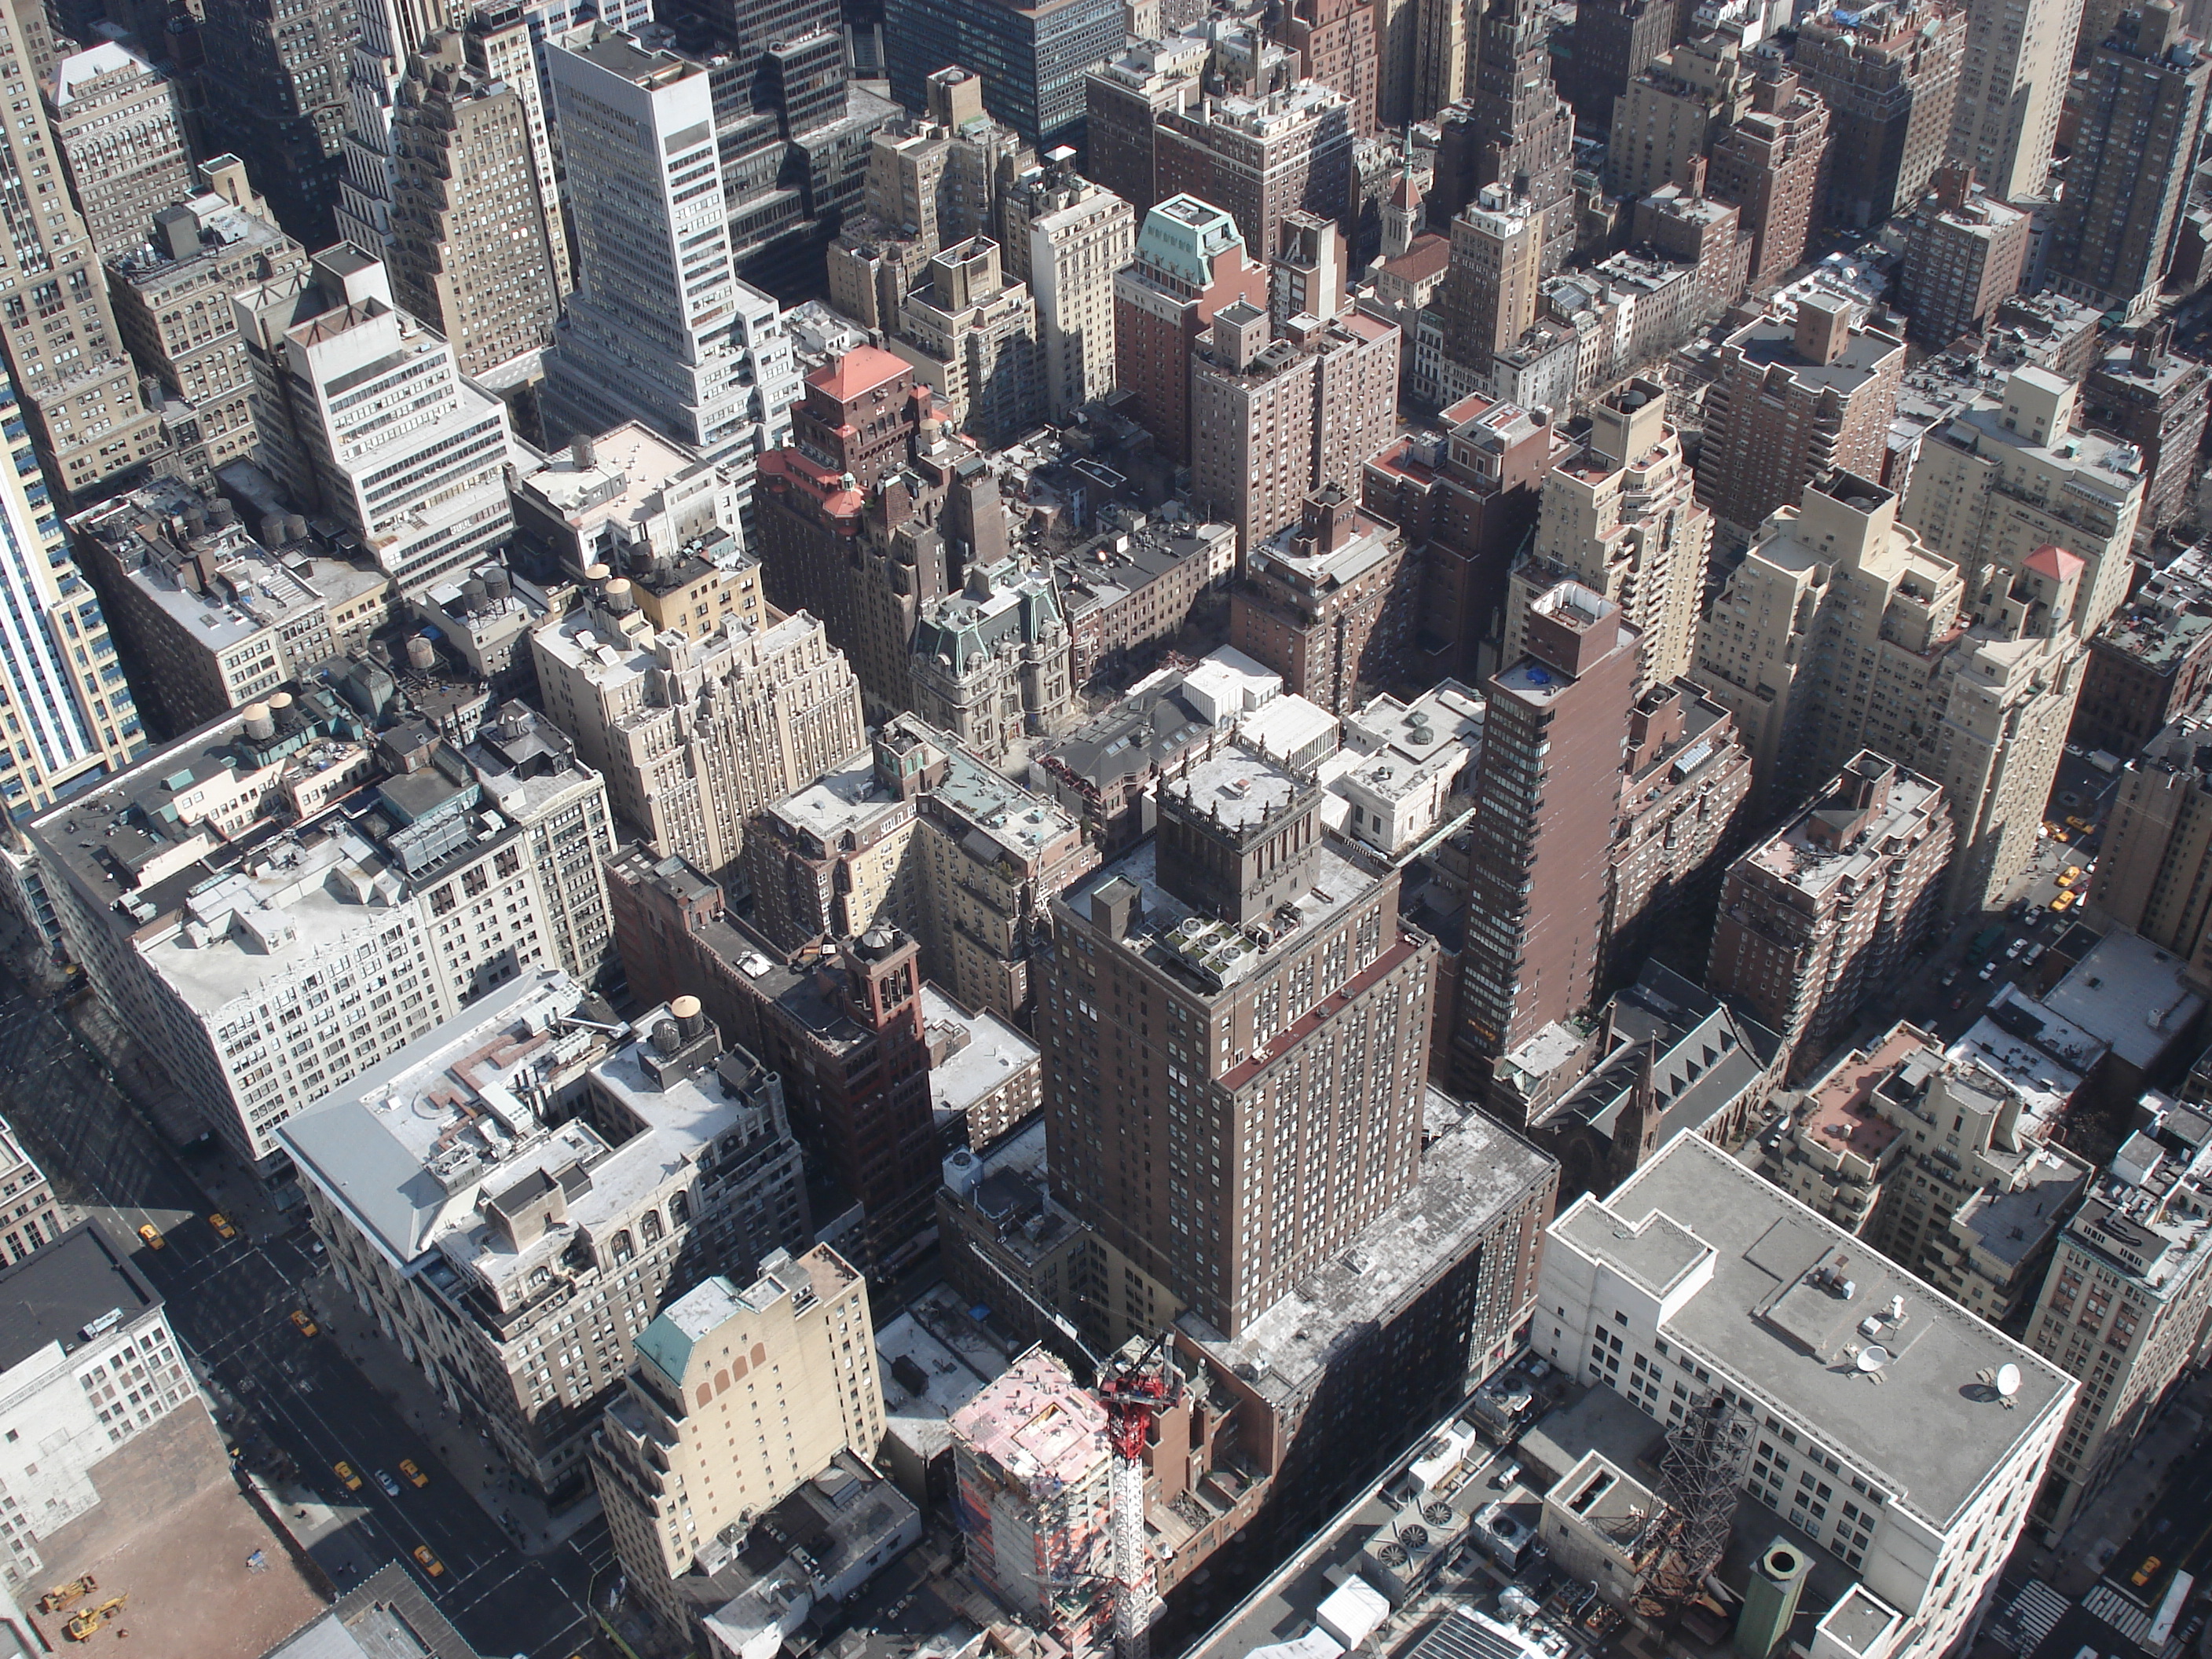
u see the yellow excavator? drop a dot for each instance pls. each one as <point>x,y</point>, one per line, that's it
<point>63,1597</point>
<point>83,1626</point>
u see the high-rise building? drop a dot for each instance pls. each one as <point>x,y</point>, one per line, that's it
<point>1179,1022</point>
<point>647,509</point>
<point>2122,1309</point>
<point>2012,472</point>
<point>171,297</point>
<point>76,385</point>
<point>1770,164</point>
<point>572,1169</point>
<point>695,732</point>
<point>470,240</point>
<point>1619,518</point>
<point>971,337</point>
<point>855,513</point>
<point>1336,43</point>
<point>276,77</point>
<point>69,714</point>
<point>1889,74</point>
<point>1275,417</point>
<point>1124,98</point>
<point>2143,391</point>
<point>1074,238</point>
<point>1675,109</point>
<point>244,938</point>
<point>1440,54</point>
<point>1466,495</point>
<point>1822,915</point>
<point>1614,41</point>
<point>1963,258</point>
<point>2012,89</point>
<point>1546,790</point>
<point>1494,283</point>
<point>1685,783</point>
<point>121,128</point>
<point>736,1398</point>
<point>659,328</point>
<point>2159,838</point>
<point>1527,130</point>
<point>1794,399</point>
<point>1191,261</point>
<point>1263,158</point>
<point>33,1216</point>
<point>1925,1554</point>
<point>1033,57</point>
<point>426,495</point>
<point>2127,175</point>
<point>1968,676</point>
<point>1330,603</point>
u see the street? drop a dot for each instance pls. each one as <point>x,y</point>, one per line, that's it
<point>231,1303</point>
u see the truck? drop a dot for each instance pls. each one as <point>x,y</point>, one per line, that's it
<point>1983,940</point>
<point>2104,761</point>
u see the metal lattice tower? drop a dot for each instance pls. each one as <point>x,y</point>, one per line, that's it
<point>1703,1473</point>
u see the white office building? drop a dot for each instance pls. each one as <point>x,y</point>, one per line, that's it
<point>1894,1431</point>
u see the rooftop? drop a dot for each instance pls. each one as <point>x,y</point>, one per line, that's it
<point>49,1296</point>
<point>1751,1275</point>
<point>933,1360</point>
<point>1816,864</point>
<point>996,814</point>
<point>858,373</point>
<point>847,800</point>
<point>385,1616</point>
<point>993,1052</point>
<point>1468,1176</point>
<point>1037,1424</point>
<point>1771,344</point>
<point>2130,993</point>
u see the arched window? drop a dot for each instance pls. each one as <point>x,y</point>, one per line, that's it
<point>648,1227</point>
<point>623,1248</point>
<point>679,1209</point>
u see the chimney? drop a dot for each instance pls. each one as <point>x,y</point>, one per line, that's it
<point>1824,328</point>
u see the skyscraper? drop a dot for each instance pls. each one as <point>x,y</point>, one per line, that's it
<point>64,357</point>
<point>1770,164</point>
<point>1962,259</point>
<point>1620,519</point>
<point>2128,172</point>
<point>1794,399</point>
<point>1546,789</point>
<point>1335,41</point>
<point>1190,262</point>
<point>69,713</point>
<point>1673,112</point>
<point>1528,132</point>
<point>121,128</point>
<point>470,240</point>
<point>1073,237</point>
<point>427,496</point>
<point>1182,1026</point>
<point>276,75</point>
<point>655,330</point>
<point>1614,42</point>
<point>2012,87</point>
<point>1889,74</point>
<point>1032,56</point>
<point>1263,158</point>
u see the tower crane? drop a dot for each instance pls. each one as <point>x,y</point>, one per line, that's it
<point>1134,1391</point>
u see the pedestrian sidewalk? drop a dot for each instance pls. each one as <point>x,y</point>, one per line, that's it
<point>2101,1529</point>
<point>464,1449</point>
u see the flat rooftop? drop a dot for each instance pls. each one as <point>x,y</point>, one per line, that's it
<point>847,799</point>
<point>2128,993</point>
<point>385,1616</point>
<point>630,465</point>
<point>1816,866</point>
<point>995,1052</point>
<point>932,1359</point>
<point>53,1293</point>
<point>1036,1423</point>
<point>1926,1431</point>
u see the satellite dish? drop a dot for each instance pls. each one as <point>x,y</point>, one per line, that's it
<point>1872,1356</point>
<point>2008,1381</point>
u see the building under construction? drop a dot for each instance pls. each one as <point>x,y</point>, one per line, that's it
<point>1033,1468</point>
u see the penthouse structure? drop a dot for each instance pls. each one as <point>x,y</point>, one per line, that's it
<point>695,732</point>
<point>276,905</point>
<point>2123,1308</point>
<point>1827,910</point>
<point>1330,603</point>
<point>649,510</point>
<point>1932,1471</point>
<point>513,1195</point>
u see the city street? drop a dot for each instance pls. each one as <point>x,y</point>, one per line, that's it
<point>231,1303</point>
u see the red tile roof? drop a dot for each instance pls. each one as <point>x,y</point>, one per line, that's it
<point>859,372</point>
<point>2056,563</point>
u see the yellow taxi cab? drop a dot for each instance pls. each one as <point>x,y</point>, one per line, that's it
<point>152,1235</point>
<point>307,1326</point>
<point>2142,1574</point>
<point>430,1563</point>
<point>222,1226</point>
<point>407,1468</point>
<point>2063,900</point>
<point>2077,823</point>
<point>346,1474</point>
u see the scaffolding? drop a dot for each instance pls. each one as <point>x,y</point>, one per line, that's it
<point>1703,1473</point>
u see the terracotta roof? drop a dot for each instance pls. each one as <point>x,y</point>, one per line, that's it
<point>859,371</point>
<point>2056,563</point>
<point>1428,256</point>
<point>1404,192</point>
